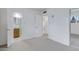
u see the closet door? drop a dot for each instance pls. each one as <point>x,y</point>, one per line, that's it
<point>59,25</point>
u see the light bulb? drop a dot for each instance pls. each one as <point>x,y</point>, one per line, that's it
<point>17,15</point>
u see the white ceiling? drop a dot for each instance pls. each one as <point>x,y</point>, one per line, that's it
<point>39,9</point>
<point>74,9</point>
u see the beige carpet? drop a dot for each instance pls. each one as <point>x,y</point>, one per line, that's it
<point>38,44</point>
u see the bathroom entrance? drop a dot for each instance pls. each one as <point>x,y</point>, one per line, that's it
<point>14,28</point>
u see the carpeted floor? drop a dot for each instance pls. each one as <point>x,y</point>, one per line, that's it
<point>38,44</point>
<point>75,40</point>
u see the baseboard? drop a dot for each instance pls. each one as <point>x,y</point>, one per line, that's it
<point>59,42</point>
<point>3,46</point>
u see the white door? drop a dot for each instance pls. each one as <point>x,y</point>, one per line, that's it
<point>59,25</point>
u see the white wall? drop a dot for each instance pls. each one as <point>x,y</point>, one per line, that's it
<point>3,19</point>
<point>74,28</point>
<point>31,22</point>
<point>59,25</point>
<point>75,12</point>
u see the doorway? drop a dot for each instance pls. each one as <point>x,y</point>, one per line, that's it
<point>45,24</point>
<point>14,28</point>
<point>74,28</point>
